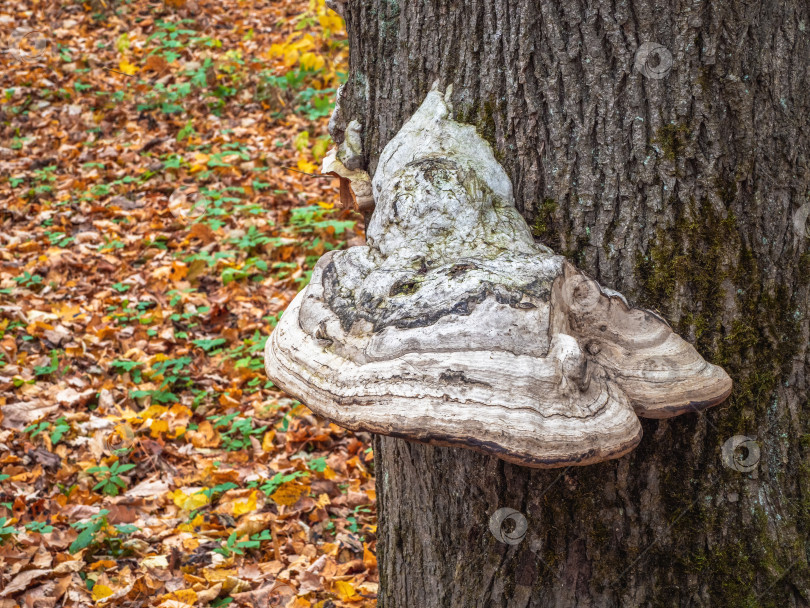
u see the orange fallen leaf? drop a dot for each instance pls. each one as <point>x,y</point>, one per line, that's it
<point>206,436</point>
<point>369,559</point>
<point>288,493</point>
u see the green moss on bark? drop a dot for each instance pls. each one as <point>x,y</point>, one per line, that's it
<point>672,140</point>
<point>483,119</point>
<point>690,273</point>
<point>543,227</point>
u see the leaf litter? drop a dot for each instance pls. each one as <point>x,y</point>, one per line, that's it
<point>151,233</point>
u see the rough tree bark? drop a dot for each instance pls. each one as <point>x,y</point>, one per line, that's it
<point>686,190</point>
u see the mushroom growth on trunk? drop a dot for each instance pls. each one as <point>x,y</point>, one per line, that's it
<point>453,327</point>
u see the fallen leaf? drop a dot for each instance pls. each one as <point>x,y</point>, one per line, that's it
<point>242,507</point>
<point>22,413</point>
<point>156,561</point>
<point>101,592</point>
<point>345,590</point>
<point>288,493</point>
<point>127,68</point>
<point>22,580</point>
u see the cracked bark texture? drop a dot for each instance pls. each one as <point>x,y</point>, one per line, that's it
<point>680,192</point>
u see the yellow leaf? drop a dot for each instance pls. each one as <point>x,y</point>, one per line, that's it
<point>197,522</point>
<point>70,314</point>
<point>311,61</point>
<point>189,502</point>
<point>246,506</point>
<point>213,575</point>
<point>153,411</point>
<point>100,592</point>
<point>267,441</point>
<point>291,58</point>
<point>331,21</point>
<point>307,167</point>
<point>158,427</point>
<point>127,68</point>
<point>187,596</point>
<point>199,163</point>
<point>189,544</point>
<point>345,590</point>
<point>288,493</point>
<point>330,549</point>
<point>304,43</point>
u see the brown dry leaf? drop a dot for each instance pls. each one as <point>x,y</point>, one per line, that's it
<point>207,596</point>
<point>173,604</point>
<point>203,232</point>
<point>253,523</point>
<point>43,558</point>
<point>149,488</point>
<point>40,597</point>
<point>22,580</point>
<point>69,566</point>
<point>19,415</point>
<point>270,594</point>
<point>155,63</point>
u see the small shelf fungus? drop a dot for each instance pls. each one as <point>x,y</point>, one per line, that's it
<point>453,327</point>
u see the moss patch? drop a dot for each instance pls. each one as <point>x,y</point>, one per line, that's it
<point>483,119</point>
<point>690,273</point>
<point>672,140</point>
<point>543,227</point>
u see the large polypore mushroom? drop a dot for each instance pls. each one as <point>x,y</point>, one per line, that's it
<point>452,326</point>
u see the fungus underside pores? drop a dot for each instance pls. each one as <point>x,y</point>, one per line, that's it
<point>453,327</point>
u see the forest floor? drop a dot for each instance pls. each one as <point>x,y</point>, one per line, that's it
<point>154,223</point>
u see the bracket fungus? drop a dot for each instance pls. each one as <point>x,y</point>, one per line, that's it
<point>453,327</point>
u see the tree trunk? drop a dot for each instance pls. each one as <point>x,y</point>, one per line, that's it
<point>685,187</point>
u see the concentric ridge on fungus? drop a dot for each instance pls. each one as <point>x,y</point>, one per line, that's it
<point>452,326</point>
